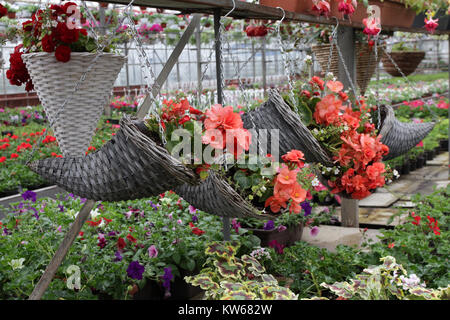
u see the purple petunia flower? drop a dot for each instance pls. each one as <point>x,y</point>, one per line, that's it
<point>118,257</point>
<point>192,209</point>
<point>112,234</point>
<point>194,219</point>
<point>29,195</point>
<point>314,231</point>
<point>306,207</point>
<point>61,207</point>
<point>269,225</point>
<point>101,240</point>
<point>35,214</point>
<point>135,270</point>
<point>152,251</point>
<point>154,206</point>
<point>166,280</point>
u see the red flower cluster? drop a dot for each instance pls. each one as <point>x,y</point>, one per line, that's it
<point>177,111</point>
<point>433,225</point>
<point>257,31</point>
<point>23,145</point>
<point>48,139</point>
<point>286,188</point>
<point>360,153</point>
<point>321,7</point>
<point>225,129</point>
<point>18,73</point>
<point>347,7</point>
<point>196,230</point>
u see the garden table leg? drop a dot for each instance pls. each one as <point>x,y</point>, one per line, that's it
<point>64,247</point>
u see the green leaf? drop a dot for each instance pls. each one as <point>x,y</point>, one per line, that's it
<point>176,257</point>
<point>243,181</point>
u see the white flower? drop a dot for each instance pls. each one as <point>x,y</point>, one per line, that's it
<point>396,174</point>
<point>336,171</point>
<point>315,182</point>
<point>95,213</point>
<point>16,263</point>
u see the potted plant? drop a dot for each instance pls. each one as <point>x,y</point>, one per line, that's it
<point>150,33</point>
<point>406,57</point>
<point>11,11</point>
<point>57,49</point>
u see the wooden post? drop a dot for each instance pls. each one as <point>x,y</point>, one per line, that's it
<point>346,42</point>
<point>74,230</point>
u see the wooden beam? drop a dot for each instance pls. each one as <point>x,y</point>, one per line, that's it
<point>164,74</point>
<point>246,10</point>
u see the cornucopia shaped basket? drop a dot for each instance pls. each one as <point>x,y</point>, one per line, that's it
<point>129,166</point>
<point>217,197</point>
<point>399,136</point>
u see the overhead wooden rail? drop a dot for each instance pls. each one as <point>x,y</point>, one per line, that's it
<point>245,10</point>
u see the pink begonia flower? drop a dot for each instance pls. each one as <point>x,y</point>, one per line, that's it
<point>59,229</point>
<point>338,199</point>
<point>420,144</point>
<point>192,209</point>
<point>156,27</point>
<point>179,221</point>
<point>442,105</point>
<point>281,228</point>
<point>152,251</point>
<point>314,231</point>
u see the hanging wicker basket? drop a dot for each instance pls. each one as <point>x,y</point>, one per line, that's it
<point>55,81</point>
<point>400,137</point>
<point>406,61</point>
<point>129,166</point>
<point>215,196</point>
<point>365,62</point>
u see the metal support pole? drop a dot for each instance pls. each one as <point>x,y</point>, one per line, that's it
<point>127,71</point>
<point>346,41</point>
<point>198,43</point>
<point>219,74</point>
<point>264,69</point>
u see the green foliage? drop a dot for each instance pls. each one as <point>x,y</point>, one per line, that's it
<point>385,282</point>
<point>227,277</point>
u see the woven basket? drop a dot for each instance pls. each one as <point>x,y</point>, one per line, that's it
<point>275,113</point>
<point>129,166</point>
<point>365,62</point>
<point>217,197</point>
<point>400,137</point>
<point>55,81</point>
<point>406,61</point>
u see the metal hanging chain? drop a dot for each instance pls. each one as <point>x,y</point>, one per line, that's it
<point>436,118</point>
<point>330,55</point>
<point>286,63</point>
<point>99,50</point>
<point>151,83</point>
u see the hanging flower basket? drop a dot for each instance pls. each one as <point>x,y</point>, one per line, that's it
<point>406,61</point>
<point>130,166</point>
<point>55,81</point>
<point>400,137</point>
<point>365,62</point>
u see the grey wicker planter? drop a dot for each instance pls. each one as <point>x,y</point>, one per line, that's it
<point>129,166</point>
<point>400,137</point>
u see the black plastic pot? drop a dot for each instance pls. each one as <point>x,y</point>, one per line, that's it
<point>286,237</point>
<point>429,154</point>
<point>405,168</point>
<point>443,144</point>
<point>179,289</point>
<point>5,133</point>
<point>437,150</point>
<point>412,164</point>
<point>419,162</point>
